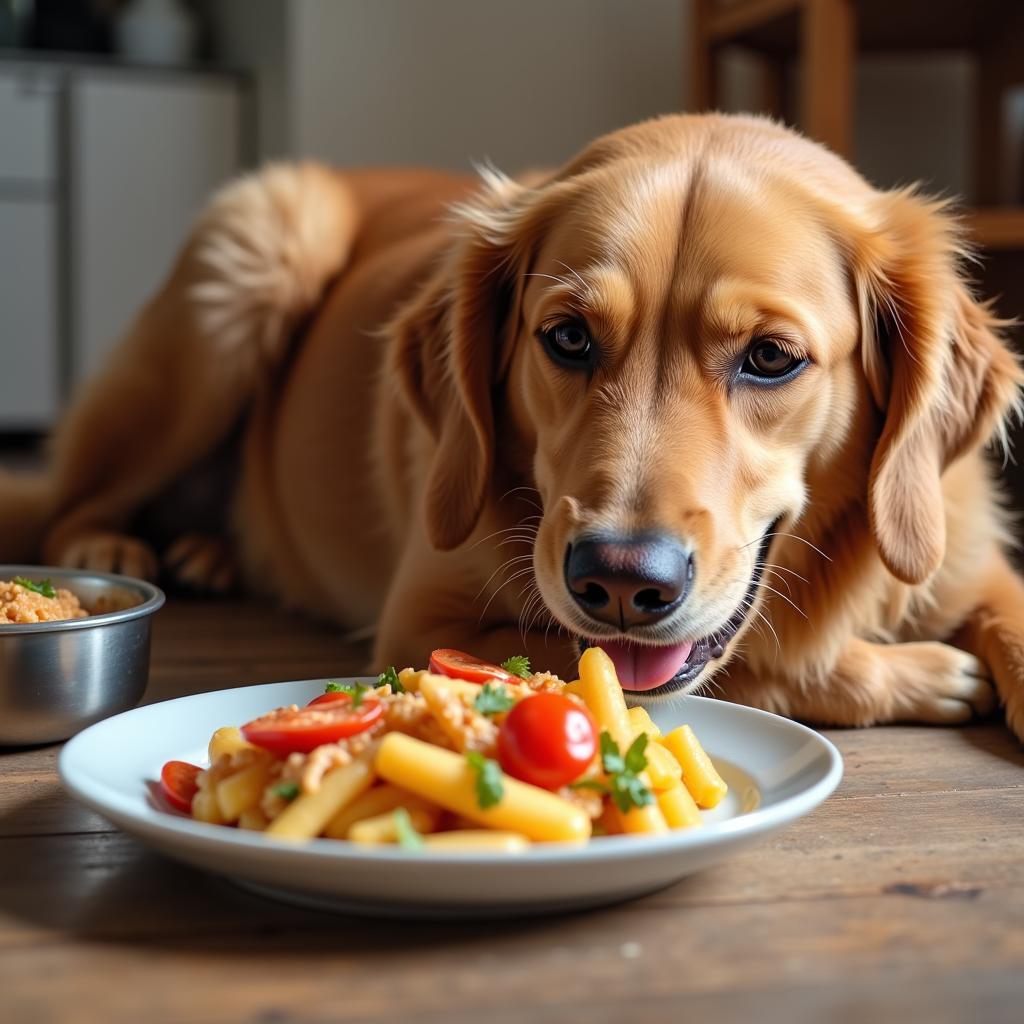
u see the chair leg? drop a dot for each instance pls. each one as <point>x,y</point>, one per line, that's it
<point>702,58</point>
<point>829,42</point>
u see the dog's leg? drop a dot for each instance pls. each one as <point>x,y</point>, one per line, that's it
<point>195,358</point>
<point>994,632</point>
<point>871,684</point>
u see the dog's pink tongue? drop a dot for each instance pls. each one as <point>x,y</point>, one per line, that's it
<point>644,668</point>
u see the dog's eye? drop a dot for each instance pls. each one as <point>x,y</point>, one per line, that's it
<point>569,343</point>
<point>767,360</point>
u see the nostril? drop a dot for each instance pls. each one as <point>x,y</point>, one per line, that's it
<point>594,595</point>
<point>650,600</point>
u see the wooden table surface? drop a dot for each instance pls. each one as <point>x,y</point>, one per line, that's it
<point>902,898</point>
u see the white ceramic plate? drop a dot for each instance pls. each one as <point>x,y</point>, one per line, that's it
<point>777,771</point>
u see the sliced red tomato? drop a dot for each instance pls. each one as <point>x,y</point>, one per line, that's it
<point>459,665</point>
<point>178,784</point>
<point>332,697</point>
<point>547,740</point>
<point>300,730</point>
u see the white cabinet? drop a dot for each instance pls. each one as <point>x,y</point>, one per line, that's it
<point>102,170</point>
<point>144,157</point>
<point>28,324</point>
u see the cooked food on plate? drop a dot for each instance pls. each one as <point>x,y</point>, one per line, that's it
<point>464,756</point>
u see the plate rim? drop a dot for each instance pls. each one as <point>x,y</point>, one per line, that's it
<point>178,829</point>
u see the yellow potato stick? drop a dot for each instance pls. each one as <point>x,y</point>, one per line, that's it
<point>243,789</point>
<point>446,778</point>
<point>205,807</point>
<point>383,827</point>
<point>575,688</point>
<point>227,740</point>
<point>600,690</point>
<point>662,767</point>
<point>483,840</point>
<point>706,786</point>
<point>641,722</point>
<point>378,800</point>
<point>308,814</point>
<point>643,819</point>
<point>679,808</point>
<point>253,819</point>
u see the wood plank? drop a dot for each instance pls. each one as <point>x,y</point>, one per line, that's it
<point>727,21</point>
<point>829,32</point>
<point>355,970</point>
<point>1000,227</point>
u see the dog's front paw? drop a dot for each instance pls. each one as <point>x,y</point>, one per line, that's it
<point>940,685</point>
<point>104,551</point>
<point>202,562</point>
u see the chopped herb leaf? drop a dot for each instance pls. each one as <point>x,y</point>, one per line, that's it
<point>357,691</point>
<point>518,665</point>
<point>624,784</point>
<point>390,676</point>
<point>490,784</point>
<point>407,836</point>
<point>45,587</point>
<point>493,699</point>
<point>286,790</point>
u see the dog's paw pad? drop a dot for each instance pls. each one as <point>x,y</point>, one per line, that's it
<point>955,687</point>
<point>110,552</point>
<point>201,562</point>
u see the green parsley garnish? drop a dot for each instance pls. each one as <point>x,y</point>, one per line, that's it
<point>390,676</point>
<point>490,783</point>
<point>286,790</point>
<point>518,665</point>
<point>624,784</point>
<point>407,836</point>
<point>357,691</point>
<point>493,699</point>
<point>45,587</point>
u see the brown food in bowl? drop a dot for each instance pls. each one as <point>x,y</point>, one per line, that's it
<point>20,605</point>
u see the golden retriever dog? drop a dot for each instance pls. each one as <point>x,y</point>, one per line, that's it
<point>703,397</point>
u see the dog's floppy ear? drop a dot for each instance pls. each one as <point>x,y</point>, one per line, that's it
<point>936,366</point>
<point>447,350</point>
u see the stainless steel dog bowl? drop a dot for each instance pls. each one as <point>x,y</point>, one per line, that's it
<point>58,677</point>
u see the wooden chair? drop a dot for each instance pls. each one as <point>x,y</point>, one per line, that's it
<point>826,37</point>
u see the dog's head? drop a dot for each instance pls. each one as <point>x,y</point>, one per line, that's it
<point>676,340</point>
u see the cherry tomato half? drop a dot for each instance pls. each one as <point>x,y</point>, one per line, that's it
<point>459,665</point>
<point>178,784</point>
<point>300,730</point>
<point>547,740</point>
<point>331,697</point>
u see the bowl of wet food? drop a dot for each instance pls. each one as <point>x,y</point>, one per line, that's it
<point>74,649</point>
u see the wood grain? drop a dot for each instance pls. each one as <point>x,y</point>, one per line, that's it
<point>901,898</point>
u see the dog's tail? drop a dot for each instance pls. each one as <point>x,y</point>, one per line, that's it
<point>263,252</point>
<point>25,501</point>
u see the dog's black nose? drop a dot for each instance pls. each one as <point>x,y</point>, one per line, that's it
<point>628,581</point>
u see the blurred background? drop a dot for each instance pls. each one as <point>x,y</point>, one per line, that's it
<point>119,117</point>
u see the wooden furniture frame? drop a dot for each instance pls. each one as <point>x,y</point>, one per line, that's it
<point>826,36</point>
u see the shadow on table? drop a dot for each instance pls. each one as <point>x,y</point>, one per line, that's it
<point>999,742</point>
<point>106,888</point>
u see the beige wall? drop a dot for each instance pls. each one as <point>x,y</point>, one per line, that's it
<point>444,82</point>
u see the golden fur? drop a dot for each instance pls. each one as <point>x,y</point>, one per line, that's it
<point>413,462</point>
